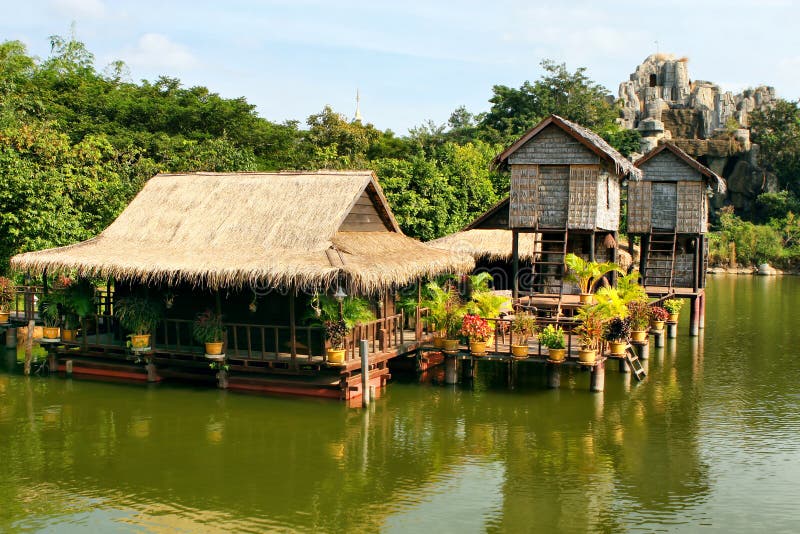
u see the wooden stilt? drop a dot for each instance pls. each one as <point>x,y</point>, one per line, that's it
<point>623,366</point>
<point>11,338</point>
<point>672,330</point>
<point>363,349</point>
<point>29,348</point>
<point>694,316</point>
<point>659,338</point>
<point>293,328</point>
<point>597,380</point>
<point>642,349</point>
<point>702,310</point>
<point>450,370</point>
<point>222,379</point>
<point>515,265</point>
<point>68,367</point>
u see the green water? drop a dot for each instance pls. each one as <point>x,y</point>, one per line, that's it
<point>709,442</point>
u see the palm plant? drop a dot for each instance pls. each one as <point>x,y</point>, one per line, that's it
<point>587,274</point>
<point>355,311</point>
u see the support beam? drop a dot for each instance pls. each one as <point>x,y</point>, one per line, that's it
<point>597,380</point>
<point>515,265</point>
<point>702,310</point>
<point>293,327</point>
<point>614,257</point>
<point>644,248</point>
<point>592,245</point>
<point>363,349</point>
<point>694,316</point>
<point>553,375</point>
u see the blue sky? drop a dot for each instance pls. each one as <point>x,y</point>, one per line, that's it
<point>413,60</point>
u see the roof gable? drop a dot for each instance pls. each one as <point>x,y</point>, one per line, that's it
<point>686,160</point>
<point>586,137</point>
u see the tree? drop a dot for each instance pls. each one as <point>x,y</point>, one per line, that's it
<point>777,131</point>
<point>571,95</point>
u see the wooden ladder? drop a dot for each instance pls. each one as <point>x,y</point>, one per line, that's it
<point>660,258</point>
<point>634,364</point>
<point>555,248</point>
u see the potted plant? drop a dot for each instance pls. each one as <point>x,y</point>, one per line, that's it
<point>8,293</point>
<point>435,301</point>
<point>336,332</point>
<point>79,302</point>
<point>639,317</point>
<point>478,330</point>
<point>592,321</point>
<point>523,327</point>
<point>673,307</point>
<point>552,337</point>
<point>657,317</point>
<point>587,274</point>
<point>616,332</point>
<point>139,315</point>
<point>452,320</point>
<point>208,329</point>
<point>50,315</point>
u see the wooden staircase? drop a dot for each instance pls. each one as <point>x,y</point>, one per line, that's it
<point>550,248</point>
<point>660,258</point>
<point>634,364</point>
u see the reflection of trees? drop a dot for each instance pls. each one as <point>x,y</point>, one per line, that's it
<point>573,460</point>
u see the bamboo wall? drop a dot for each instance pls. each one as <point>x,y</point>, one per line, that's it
<point>670,196</point>
<point>553,146</point>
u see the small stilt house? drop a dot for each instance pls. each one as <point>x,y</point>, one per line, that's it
<point>565,189</point>
<point>668,210</point>
<point>258,247</point>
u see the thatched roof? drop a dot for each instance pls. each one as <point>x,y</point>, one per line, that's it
<point>491,245</point>
<point>230,230</point>
<point>714,180</point>
<point>588,138</point>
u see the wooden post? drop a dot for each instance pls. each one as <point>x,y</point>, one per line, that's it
<point>694,316</point>
<point>292,328</point>
<point>108,297</point>
<point>450,369</point>
<point>702,310</point>
<point>659,337</point>
<point>150,367</point>
<point>553,375</point>
<point>29,347</point>
<point>698,265</point>
<point>364,350</point>
<point>614,257</point>
<point>597,380</point>
<point>515,266</point>
<point>672,330</point>
<point>644,245</point>
<point>222,379</point>
<point>68,367</point>
<point>642,349</point>
<point>418,321</point>
<point>592,245</point>
<point>623,366</point>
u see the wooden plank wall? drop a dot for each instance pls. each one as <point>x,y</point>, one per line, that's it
<point>608,205</point>
<point>583,196</point>
<point>692,214</point>
<point>364,217</point>
<point>523,200</point>
<point>553,190</point>
<point>639,202</point>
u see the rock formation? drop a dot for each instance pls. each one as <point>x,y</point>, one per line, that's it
<point>662,102</point>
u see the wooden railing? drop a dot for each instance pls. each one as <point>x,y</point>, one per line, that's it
<point>381,335</point>
<point>503,335</point>
<point>25,306</point>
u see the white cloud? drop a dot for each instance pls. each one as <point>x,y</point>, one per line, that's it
<point>94,9</point>
<point>154,50</point>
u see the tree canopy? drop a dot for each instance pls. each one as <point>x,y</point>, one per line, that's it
<point>77,143</point>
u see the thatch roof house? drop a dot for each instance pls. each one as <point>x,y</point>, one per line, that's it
<point>307,229</point>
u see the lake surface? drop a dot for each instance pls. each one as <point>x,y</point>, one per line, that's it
<point>709,442</point>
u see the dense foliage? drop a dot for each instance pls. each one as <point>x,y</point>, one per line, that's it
<point>76,144</point>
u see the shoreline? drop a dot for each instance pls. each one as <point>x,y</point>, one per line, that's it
<point>772,271</point>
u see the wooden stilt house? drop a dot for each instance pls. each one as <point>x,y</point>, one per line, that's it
<point>565,189</point>
<point>668,210</point>
<point>258,247</point>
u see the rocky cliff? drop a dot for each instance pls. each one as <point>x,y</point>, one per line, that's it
<point>662,102</point>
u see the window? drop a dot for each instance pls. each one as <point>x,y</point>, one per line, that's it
<point>653,80</point>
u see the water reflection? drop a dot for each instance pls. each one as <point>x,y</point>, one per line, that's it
<point>712,429</point>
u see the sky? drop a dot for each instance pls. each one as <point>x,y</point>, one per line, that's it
<point>412,60</point>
